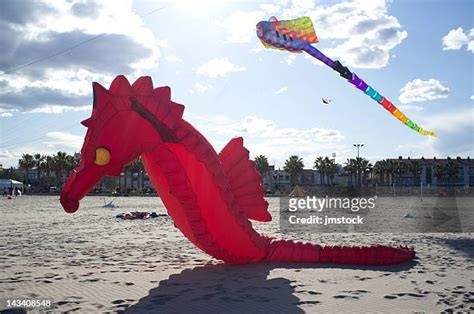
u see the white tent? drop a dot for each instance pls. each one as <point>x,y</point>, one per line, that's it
<point>9,183</point>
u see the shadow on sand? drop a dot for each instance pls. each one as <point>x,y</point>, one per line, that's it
<point>463,245</point>
<point>233,289</point>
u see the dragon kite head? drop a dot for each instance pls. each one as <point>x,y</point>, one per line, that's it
<point>291,35</point>
<point>122,116</point>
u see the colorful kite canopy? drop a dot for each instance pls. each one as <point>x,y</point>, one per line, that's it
<point>297,35</point>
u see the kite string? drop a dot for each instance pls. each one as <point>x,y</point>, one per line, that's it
<point>14,69</point>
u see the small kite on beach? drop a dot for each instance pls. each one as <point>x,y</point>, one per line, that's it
<point>297,35</point>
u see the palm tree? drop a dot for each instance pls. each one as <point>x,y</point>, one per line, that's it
<point>261,163</point>
<point>26,162</point>
<point>351,168</point>
<point>38,159</point>
<point>141,173</point>
<point>48,165</point>
<point>320,166</point>
<point>70,164</point>
<point>330,169</point>
<point>380,168</point>
<point>60,163</point>
<point>76,160</point>
<point>439,172</point>
<point>415,169</point>
<point>451,170</point>
<point>391,169</point>
<point>293,166</point>
<point>135,167</point>
<point>398,168</point>
<point>360,166</point>
<point>363,167</point>
<point>327,168</point>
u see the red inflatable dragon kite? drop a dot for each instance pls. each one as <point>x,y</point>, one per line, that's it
<point>209,196</point>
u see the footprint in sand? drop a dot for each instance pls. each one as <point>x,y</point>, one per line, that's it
<point>398,295</point>
<point>341,296</point>
<point>308,302</point>
<point>390,297</point>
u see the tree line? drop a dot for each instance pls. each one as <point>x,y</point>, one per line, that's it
<point>326,166</point>
<point>54,169</point>
<point>358,169</point>
<point>50,169</point>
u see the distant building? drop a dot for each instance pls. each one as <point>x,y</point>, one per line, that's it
<point>32,174</point>
<point>277,180</point>
<point>432,172</point>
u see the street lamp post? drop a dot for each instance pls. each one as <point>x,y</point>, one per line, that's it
<point>358,170</point>
<point>358,147</point>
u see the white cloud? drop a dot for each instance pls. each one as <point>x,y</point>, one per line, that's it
<point>218,67</point>
<point>267,129</point>
<point>270,8</point>
<point>419,90</point>
<point>470,46</point>
<point>296,8</point>
<point>472,97</point>
<point>281,90</point>
<point>240,26</point>
<point>412,108</point>
<point>173,59</point>
<point>64,139</point>
<point>7,113</point>
<point>59,109</point>
<point>10,158</point>
<point>263,136</point>
<point>364,31</point>
<point>457,39</point>
<point>39,29</point>
<point>290,59</point>
<point>202,87</point>
<point>368,33</point>
<point>76,83</point>
<point>452,122</point>
<point>455,135</point>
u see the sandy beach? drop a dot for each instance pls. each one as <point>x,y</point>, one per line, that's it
<point>92,262</point>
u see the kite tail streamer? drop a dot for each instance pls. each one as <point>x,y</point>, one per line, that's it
<point>288,251</point>
<point>367,89</point>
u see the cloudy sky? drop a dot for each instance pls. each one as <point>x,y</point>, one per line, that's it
<point>419,54</point>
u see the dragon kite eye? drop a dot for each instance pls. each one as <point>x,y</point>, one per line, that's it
<point>102,156</point>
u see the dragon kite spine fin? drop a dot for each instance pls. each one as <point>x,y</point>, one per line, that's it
<point>245,180</point>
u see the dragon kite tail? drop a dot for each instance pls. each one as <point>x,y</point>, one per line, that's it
<point>298,35</point>
<point>289,251</point>
<point>360,84</point>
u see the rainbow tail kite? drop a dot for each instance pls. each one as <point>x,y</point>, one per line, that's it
<point>297,36</point>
